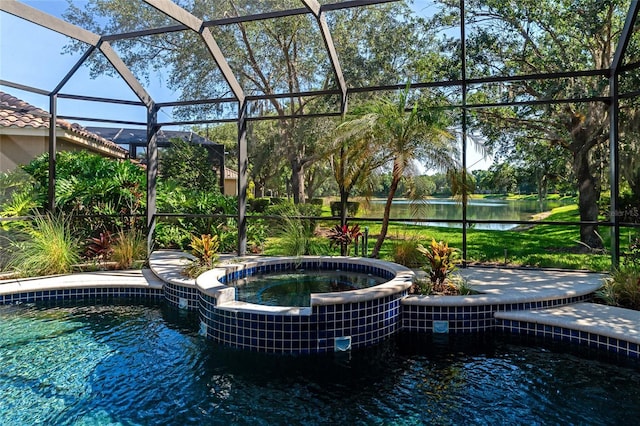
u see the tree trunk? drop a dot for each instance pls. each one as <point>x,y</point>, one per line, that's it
<point>344,198</point>
<point>395,181</point>
<point>589,194</point>
<point>297,182</point>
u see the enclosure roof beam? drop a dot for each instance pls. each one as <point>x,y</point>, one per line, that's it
<point>97,99</point>
<point>19,86</point>
<point>75,68</point>
<point>195,24</point>
<point>177,13</point>
<point>58,25</point>
<point>354,3</point>
<point>625,36</point>
<point>45,20</point>
<point>125,73</point>
<point>315,8</point>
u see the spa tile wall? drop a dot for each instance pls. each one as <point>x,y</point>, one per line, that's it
<point>182,296</point>
<point>470,318</point>
<point>365,323</point>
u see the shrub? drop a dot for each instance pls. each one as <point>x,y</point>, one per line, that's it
<point>632,256</point>
<point>352,208</point>
<point>49,248</point>
<point>623,287</point>
<point>171,235</point>
<point>456,286</point>
<point>258,205</point>
<point>316,202</point>
<point>290,210</point>
<point>278,200</point>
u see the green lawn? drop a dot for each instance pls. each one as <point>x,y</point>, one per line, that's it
<point>538,246</point>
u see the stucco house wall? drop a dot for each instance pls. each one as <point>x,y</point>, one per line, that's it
<point>24,135</point>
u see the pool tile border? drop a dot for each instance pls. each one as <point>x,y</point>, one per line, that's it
<point>331,318</point>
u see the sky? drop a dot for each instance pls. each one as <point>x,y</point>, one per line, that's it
<point>33,56</point>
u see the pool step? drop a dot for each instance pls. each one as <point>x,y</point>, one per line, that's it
<point>605,327</point>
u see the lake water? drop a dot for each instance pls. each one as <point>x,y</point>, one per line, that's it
<point>441,210</point>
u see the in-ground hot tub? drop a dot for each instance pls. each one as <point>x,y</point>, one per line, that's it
<point>294,288</point>
<point>333,321</point>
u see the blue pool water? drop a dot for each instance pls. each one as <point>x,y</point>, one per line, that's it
<point>295,288</point>
<point>146,365</point>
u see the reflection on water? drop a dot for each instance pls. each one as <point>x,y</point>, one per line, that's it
<point>441,210</point>
<point>146,365</point>
<point>295,289</point>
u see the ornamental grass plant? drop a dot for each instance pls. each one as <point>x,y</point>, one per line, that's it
<point>623,287</point>
<point>48,249</point>
<point>129,246</point>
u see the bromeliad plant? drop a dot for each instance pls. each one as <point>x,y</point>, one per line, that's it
<point>99,248</point>
<point>343,236</point>
<point>442,262</point>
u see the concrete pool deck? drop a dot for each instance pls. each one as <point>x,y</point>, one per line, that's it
<point>582,322</point>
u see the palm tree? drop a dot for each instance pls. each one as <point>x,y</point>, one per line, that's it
<point>405,135</point>
<point>353,156</point>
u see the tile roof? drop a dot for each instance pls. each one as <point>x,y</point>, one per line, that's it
<point>18,113</point>
<point>230,173</point>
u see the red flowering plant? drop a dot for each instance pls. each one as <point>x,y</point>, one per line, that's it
<point>343,236</point>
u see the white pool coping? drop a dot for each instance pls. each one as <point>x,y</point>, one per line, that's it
<point>501,286</point>
<point>135,278</point>
<point>209,282</point>
<point>609,321</point>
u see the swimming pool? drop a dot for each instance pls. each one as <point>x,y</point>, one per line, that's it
<point>144,364</point>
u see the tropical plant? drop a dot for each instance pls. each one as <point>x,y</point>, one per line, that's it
<point>50,248</point>
<point>297,239</point>
<point>442,261</point>
<point>129,247</point>
<point>343,236</point>
<point>405,137</point>
<point>110,192</point>
<point>205,249</point>
<point>456,286</point>
<point>354,155</point>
